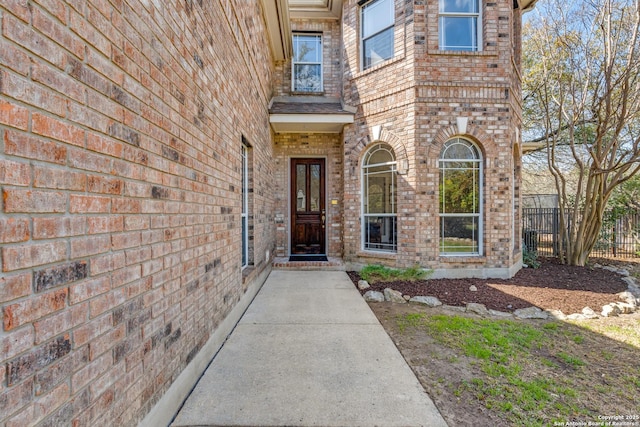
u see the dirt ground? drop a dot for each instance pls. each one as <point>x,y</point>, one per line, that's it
<point>606,385</point>
<point>444,372</point>
<point>553,286</point>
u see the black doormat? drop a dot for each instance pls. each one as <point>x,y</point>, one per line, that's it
<point>308,258</point>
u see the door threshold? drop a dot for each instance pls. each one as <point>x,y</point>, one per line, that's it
<point>294,258</point>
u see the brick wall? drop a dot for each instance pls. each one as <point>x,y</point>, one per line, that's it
<point>120,131</point>
<point>331,57</point>
<point>317,145</point>
<point>416,97</point>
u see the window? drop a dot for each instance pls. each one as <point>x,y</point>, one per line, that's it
<point>459,29</point>
<point>245,206</point>
<point>379,223</point>
<point>460,201</point>
<point>307,63</point>
<point>377,19</point>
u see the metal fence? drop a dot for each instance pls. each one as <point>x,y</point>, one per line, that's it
<point>619,236</point>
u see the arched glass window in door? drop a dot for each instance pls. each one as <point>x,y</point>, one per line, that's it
<point>460,198</point>
<point>379,215</point>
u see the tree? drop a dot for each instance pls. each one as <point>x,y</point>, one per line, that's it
<point>582,102</point>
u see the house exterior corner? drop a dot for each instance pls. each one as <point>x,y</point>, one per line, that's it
<point>157,157</point>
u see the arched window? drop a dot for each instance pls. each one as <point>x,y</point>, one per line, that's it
<point>379,218</point>
<point>460,198</point>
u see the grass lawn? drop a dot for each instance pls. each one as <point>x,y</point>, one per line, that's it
<point>528,373</point>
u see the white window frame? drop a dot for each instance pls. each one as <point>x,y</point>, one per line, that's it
<point>245,206</point>
<point>367,246</point>
<point>363,8</point>
<point>294,62</point>
<point>478,20</point>
<point>478,162</point>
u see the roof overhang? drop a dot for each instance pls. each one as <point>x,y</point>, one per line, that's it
<point>309,123</point>
<point>526,5</point>
<point>318,9</point>
<point>309,114</point>
<point>528,147</point>
<point>276,18</point>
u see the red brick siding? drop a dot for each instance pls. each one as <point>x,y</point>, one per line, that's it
<point>318,145</point>
<point>416,97</point>
<point>120,132</point>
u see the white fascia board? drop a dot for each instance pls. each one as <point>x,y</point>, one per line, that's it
<point>276,17</point>
<point>309,123</point>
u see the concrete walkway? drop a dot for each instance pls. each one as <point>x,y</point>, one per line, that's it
<point>308,352</point>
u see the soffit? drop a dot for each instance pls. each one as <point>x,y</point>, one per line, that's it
<point>319,9</point>
<point>527,5</point>
<point>309,115</point>
<point>276,18</point>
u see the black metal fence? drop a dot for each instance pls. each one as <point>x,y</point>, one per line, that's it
<point>619,236</point>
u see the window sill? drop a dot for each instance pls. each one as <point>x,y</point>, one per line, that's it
<point>376,254</point>
<point>377,67</point>
<point>462,53</point>
<point>298,93</point>
<point>466,258</point>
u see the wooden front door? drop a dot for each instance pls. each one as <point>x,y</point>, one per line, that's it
<point>307,207</point>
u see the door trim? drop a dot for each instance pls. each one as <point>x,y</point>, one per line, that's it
<point>290,201</point>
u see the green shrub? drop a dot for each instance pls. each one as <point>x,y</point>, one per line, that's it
<point>530,258</point>
<point>379,273</point>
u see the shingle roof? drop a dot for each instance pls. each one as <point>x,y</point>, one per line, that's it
<point>307,108</point>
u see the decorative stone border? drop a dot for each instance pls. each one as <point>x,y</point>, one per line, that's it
<point>629,302</point>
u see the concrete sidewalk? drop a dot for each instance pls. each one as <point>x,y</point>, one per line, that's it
<point>308,352</point>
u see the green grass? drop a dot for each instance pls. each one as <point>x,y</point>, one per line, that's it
<point>379,273</point>
<point>570,360</point>
<point>627,333</point>
<point>503,351</point>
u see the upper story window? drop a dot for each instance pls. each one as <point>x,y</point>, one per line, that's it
<point>377,20</point>
<point>307,63</point>
<point>459,25</point>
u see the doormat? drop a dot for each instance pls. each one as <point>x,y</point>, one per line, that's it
<point>308,258</point>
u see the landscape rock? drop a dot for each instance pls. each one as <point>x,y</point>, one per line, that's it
<point>497,313</point>
<point>625,308</point>
<point>628,297</point>
<point>454,308</point>
<point>426,300</point>
<point>473,288</point>
<point>480,309</point>
<point>588,313</point>
<point>576,316</point>
<point>634,290</point>
<point>363,284</point>
<point>614,269</point>
<point>557,314</point>
<point>530,313</point>
<point>630,281</point>
<point>406,297</point>
<point>374,296</point>
<point>610,310</point>
<point>394,296</point>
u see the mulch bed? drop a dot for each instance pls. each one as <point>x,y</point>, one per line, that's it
<point>553,286</point>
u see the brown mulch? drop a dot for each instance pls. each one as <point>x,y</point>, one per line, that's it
<point>553,286</point>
